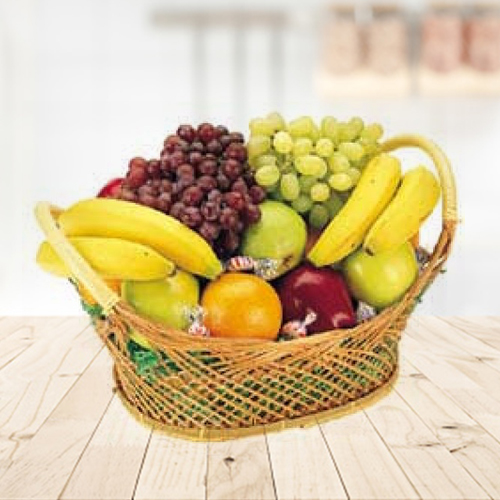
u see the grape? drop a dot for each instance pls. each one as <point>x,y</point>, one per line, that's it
<point>197,147</point>
<point>177,158</point>
<point>318,216</point>
<point>370,148</point>
<point>223,182</point>
<point>333,204</point>
<point>210,210</point>
<point>320,192</point>
<point>237,137</point>
<point>258,145</point>
<point>315,133</point>
<point>148,200</point>
<point>195,158</point>
<point>257,194</point>
<point>191,217</point>
<point>338,163</point>
<point>251,214</point>
<point>340,182</point>
<point>166,185</point>
<point>187,133</point>
<point>372,132</point>
<point>136,177</point>
<point>235,200</point>
<point>206,183</point>
<point>232,169</point>
<point>277,121</point>
<point>147,189</point>
<point>283,142</point>
<point>267,175</point>
<point>289,186</point>
<point>236,151</point>
<point>215,195</point>
<point>128,195</point>
<point>207,167</point>
<point>352,151</point>
<point>261,126</point>
<point>302,204</point>
<point>240,186</point>
<point>225,140</point>
<point>306,182</point>
<point>330,128</point>
<point>221,130</point>
<point>230,242</point>
<point>185,170</point>
<point>302,146</point>
<point>214,147</point>
<point>228,218</point>
<point>301,127</point>
<point>310,165</point>
<point>324,147</point>
<point>209,230</point>
<point>354,174</point>
<point>206,132</point>
<point>164,202</point>
<point>265,160</point>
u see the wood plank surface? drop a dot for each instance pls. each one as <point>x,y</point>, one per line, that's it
<point>476,450</point>
<point>46,462</point>
<point>112,460</point>
<point>368,469</point>
<point>174,469</point>
<point>240,469</point>
<point>303,472</point>
<point>436,436</point>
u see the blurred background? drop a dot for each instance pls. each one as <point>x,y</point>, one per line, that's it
<point>85,85</point>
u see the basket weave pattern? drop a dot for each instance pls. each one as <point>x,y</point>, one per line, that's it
<point>202,388</point>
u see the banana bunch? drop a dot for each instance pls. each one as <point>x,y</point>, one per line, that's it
<point>125,240</point>
<point>383,211</point>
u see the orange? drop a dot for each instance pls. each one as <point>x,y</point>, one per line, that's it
<point>242,305</point>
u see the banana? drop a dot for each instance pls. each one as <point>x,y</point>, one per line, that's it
<point>346,231</point>
<point>112,218</point>
<point>112,258</point>
<point>413,203</point>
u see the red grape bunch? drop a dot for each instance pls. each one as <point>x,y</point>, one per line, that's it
<point>203,180</point>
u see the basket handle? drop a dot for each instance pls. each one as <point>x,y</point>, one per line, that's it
<point>77,265</point>
<point>441,163</point>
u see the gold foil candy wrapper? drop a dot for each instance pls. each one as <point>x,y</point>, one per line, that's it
<point>266,269</point>
<point>196,315</point>
<point>297,329</point>
<point>364,312</point>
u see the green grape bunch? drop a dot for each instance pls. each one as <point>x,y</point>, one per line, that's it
<point>312,168</point>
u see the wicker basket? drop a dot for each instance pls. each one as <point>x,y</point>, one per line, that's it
<point>209,388</point>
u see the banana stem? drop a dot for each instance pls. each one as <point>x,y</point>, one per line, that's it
<point>441,163</point>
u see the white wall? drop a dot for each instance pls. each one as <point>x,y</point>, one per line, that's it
<point>87,84</point>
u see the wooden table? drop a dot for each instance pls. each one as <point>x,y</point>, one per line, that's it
<point>64,433</point>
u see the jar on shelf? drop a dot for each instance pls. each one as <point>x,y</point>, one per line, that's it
<point>482,38</point>
<point>387,39</point>
<point>441,38</point>
<point>342,45</point>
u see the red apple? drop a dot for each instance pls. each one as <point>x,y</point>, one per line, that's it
<point>321,290</point>
<point>111,189</point>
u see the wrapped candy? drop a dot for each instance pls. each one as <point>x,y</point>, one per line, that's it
<point>364,312</point>
<point>423,256</point>
<point>196,327</point>
<point>298,329</point>
<point>266,269</point>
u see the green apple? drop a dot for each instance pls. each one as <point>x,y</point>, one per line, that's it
<point>165,300</point>
<point>382,279</point>
<point>280,234</point>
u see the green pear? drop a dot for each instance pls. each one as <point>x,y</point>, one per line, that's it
<point>382,279</point>
<point>166,301</point>
<point>280,234</point>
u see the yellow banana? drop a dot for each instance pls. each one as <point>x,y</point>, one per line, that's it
<point>112,218</point>
<point>112,258</point>
<point>413,203</point>
<point>346,231</point>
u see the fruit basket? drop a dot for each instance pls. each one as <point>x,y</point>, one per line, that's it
<point>203,388</point>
